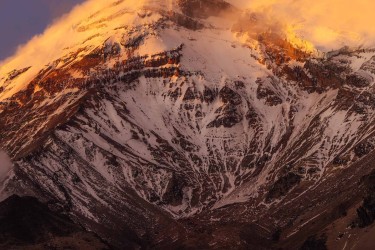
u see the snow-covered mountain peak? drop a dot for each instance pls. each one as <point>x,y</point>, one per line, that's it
<point>84,29</point>
<point>101,23</point>
<point>190,114</point>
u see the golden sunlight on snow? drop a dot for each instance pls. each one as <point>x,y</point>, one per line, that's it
<point>326,24</point>
<point>308,25</point>
<point>84,23</point>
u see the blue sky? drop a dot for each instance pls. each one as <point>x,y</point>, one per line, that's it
<point>20,20</point>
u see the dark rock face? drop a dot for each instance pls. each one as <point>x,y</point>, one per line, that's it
<point>174,193</point>
<point>366,212</point>
<point>357,81</point>
<point>26,222</point>
<point>229,115</point>
<point>314,243</point>
<point>189,95</point>
<point>204,8</point>
<point>15,73</point>
<point>268,95</point>
<point>227,95</point>
<point>227,121</point>
<point>185,21</point>
<point>246,161</point>
<point>363,149</point>
<point>209,95</point>
<point>252,117</point>
<point>283,185</point>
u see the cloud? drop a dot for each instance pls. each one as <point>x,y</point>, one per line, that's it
<point>57,36</point>
<point>61,38</point>
<point>327,24</point>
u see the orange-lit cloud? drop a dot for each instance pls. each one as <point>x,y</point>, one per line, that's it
<point>327,24</point>
<point>64,36</point>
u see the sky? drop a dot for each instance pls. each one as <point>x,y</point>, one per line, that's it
<point>20,20</point>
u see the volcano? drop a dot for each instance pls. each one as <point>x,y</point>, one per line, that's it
<point>186,125</point>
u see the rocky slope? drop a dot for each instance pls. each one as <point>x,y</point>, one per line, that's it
<point>28,224</point>
<point>186,124</point>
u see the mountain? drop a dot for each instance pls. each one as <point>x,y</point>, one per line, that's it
<point>25,223</point>
<point>191,125</point>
